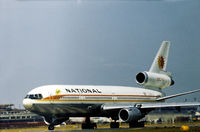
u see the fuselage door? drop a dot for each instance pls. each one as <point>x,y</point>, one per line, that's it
<point>50,98</point>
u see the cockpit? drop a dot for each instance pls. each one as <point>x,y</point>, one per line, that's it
<point>34,96</point>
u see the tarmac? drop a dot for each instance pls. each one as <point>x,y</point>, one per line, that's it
<point>105,128</point>
<point>127,130</point>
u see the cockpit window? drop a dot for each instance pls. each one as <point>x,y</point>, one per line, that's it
<point>31,96</point>
<point>34,96</point>
<point>40,96</point>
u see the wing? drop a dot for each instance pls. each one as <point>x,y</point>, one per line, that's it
<point>150,105</point>
<point>155,105</point>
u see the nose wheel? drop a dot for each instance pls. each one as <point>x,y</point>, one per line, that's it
<point>51,127</point>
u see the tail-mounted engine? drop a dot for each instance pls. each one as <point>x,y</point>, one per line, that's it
<point>155,80</point>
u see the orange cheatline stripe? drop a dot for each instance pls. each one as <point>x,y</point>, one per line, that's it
<point>99,100</point>
<point>59,96</point>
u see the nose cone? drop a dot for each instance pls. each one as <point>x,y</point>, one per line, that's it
<point>27,104</point>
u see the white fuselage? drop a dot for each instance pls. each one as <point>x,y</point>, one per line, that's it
<point>74,100</point>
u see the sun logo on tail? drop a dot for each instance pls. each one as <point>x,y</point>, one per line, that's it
<point>161,62</point>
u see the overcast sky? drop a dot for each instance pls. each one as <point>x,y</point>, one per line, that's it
<point>101,42</point>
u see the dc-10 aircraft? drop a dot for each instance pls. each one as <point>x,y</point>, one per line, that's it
<point>56,103</point>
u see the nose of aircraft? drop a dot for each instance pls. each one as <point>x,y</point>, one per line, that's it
<point>27,103</point>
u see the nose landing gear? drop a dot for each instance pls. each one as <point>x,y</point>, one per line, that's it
<point>52,121</point>
<point>51,127</point>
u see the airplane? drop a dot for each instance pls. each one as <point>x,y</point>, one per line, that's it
<point>56,103</point>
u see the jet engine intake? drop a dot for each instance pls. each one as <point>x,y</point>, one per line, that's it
<point>130,114</point>
<point>155,80</point>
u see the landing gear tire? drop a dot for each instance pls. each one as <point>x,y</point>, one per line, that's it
<point>51,127</point>
<point>136,124</point>
<point>114,125</point>
<point>89,125</point>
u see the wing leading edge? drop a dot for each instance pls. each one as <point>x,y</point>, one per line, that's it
<point>155,105</point>
<point>150,105</point>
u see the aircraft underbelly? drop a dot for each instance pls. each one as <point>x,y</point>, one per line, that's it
<point>62,109</point>
<point>72,109</point>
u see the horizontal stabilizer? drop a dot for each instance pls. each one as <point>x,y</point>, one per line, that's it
<point>176,95</point>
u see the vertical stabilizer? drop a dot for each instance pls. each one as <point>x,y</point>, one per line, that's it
<point>157,78</point>
<point>160,61</point>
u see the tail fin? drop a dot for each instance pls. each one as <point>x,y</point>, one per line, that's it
<point>157,77</point>
<point>160,61</point>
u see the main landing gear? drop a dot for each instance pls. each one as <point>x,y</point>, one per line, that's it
<point>114,124</point>
<point>131,124</point>
<point>88,124</point>
<point>136,124</point>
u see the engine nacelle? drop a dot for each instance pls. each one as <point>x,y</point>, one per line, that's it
<point>155,80</point>
<point>130,114</point>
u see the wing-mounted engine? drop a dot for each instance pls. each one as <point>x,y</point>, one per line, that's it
<point>130,114</point>
<point>154,80</point>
